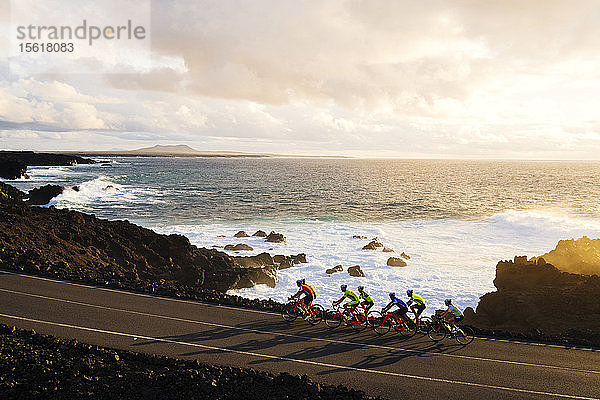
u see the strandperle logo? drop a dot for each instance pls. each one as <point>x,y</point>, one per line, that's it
<point>85,31</point>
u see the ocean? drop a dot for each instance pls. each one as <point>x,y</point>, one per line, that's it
<point>455,219</point>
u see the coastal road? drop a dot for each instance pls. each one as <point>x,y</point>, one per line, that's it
<point>388,366</point>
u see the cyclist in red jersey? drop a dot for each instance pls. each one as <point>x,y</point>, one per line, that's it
<point>308,291</point>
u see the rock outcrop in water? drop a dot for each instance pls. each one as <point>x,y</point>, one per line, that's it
<point>581,256</point>
<point>43,195</point>
<point>355,271</point>
<point>72,245</point>
<point>396,262</point>
<point>13,164</point>
<point>275,237</point>
<point>238,247</point>
<point>534,298</point>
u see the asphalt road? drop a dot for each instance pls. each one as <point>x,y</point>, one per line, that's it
<point>389,366</point>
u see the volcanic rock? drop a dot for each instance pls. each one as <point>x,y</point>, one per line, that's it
<point>337,268</point>
<point>260,233</point>
<point>355,271</point>
<point>535,294</point>
<point>241,234</point>
<point>43,195</point>
<point>13,164</point>
<point>373,245</point>
<point>405,256</point>
<point>396,262</point>
<point>275,237</point>
<point>10,193</point>
<point>358,237</point>
<point>388,250</point>
<point>581,256</point>
<point>71,245</point>
<point>238,247</point>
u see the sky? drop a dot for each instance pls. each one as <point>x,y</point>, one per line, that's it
<point>506,79</point>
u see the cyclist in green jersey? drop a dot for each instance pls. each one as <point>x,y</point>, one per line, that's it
<point>367,302</point>
<point>416,304</point>
<point>351,296</point>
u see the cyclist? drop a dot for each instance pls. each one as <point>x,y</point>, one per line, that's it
<point>309,294</point>
<point>402,307</point>
<point>418,306</point>
<point>367,302</point>
<point>350,295</point>
<point>453,315</point>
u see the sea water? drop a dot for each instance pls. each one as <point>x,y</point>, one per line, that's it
<point>455,219</point>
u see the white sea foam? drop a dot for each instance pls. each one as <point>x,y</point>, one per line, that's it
<point>100,190</point>
<point>449,258</point>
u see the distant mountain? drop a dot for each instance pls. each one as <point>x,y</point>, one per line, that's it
<point>182,150</point>
<point>169,149</point>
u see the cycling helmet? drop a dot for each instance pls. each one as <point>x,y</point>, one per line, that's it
<point>409,292</point>
<point>344,287</point>
<point>299,282</point>
<point>448,302</point>
<point>392,295</point>
<point>361,288</point>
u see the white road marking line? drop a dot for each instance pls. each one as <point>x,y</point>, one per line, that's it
<point>321,364</point>
<point>278,333</point>
<point>149,296</point>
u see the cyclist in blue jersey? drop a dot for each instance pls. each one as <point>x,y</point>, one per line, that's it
<point>402,307</point>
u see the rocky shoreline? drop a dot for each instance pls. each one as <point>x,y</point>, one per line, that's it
<point>13,164</point>
<point>34,365</point>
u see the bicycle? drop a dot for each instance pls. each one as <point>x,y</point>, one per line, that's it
<point>353,318</point>
<point>384,323</point>
<point>294,309</point>
<point>440,328</point>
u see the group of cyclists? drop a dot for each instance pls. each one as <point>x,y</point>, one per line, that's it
<point>415,303</point>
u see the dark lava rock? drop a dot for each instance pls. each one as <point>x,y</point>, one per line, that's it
<point>275,237</point>
<point>279,258</point>
<point>40,366</point>
<point>337,268</point>
<point>71,245</point>
<point>373,245</point>
<point>396,262</point>
<point>75,188</point>
<point>358,237</point>
<point>355,271</point>
<point>111,188</point>
<point>260,233</point>
<point>10,193</point>
<point>536,295</point>
<point>43,195</point>
<point>388,250</point>
<point>239,247</point>
<point>405,256</point>
<point>241,234</point>
<point>13,164</point>
<point>299,258</point>
<point>12,170</point>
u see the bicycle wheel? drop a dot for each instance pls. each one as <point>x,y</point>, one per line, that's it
<point>381,324</point>
<point>316,314</point>
<point>371,319</point>
<point>356,322</point>
<point>406,329</point>
<point>437,331</point>
<point>333,319</point>
<point>424,325</point>
<point>289,312</point>
<point>464,335</point>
